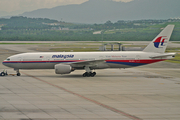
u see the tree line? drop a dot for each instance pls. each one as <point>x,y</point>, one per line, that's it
<point>43,29</point>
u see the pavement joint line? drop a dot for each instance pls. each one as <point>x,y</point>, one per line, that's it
<point>88,99</point>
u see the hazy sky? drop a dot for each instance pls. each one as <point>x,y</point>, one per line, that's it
<point>28,5</point>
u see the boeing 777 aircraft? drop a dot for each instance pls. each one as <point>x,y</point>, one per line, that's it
<point>67,62</point>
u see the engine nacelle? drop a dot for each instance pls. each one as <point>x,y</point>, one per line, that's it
<point>63,69</point>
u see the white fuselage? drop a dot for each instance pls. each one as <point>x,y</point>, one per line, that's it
<point>47,60</point>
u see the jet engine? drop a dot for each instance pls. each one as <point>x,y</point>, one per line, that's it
<point>63,69</point>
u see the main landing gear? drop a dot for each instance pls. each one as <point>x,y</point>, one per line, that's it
<point>88,72</point>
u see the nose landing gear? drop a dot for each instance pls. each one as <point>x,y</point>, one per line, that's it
<point>18,73</point>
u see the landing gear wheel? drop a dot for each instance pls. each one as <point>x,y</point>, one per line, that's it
<point>90,74</point>
<point>17,71</point>
<point>85,74</point>
<point>18,74</point>
<point>93,74</point>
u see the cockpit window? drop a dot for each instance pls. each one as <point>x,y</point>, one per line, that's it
<point>8,59</point>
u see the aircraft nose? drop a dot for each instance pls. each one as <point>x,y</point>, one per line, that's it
<point>4,63</point>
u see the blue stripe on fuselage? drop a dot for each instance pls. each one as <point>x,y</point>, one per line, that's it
<point>128,63</point>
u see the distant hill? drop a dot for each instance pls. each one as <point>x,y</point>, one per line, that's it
<point>100,11</point>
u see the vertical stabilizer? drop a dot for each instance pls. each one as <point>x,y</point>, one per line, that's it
<point>159,44</point>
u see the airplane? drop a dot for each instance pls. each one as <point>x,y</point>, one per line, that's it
<point>67,62</point>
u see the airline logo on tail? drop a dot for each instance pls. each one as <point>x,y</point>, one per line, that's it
<point>159,42</point>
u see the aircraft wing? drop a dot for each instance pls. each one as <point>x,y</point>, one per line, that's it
<point>163,55</point>
<point>88,62</point>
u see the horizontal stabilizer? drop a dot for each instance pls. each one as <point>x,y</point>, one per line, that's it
<point>164,55</point>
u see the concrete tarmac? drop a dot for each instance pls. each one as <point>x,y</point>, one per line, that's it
<point>128,94</point>
<point>143,93</point>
